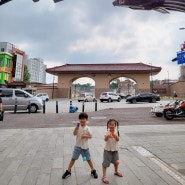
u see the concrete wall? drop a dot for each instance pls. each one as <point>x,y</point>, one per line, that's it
<point>179,88</point>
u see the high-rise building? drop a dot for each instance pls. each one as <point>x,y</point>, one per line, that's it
<point>37,70</point>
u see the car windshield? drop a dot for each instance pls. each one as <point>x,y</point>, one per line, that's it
<point>82,95</point>
<point>103,93</point>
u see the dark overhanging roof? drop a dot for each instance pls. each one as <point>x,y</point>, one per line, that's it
<point>113,68</point>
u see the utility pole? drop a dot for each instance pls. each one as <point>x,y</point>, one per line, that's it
<point>151,75</point>
<point>168,84</point>
<point>53,84</point>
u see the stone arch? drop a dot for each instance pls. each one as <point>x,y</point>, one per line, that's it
<point>102,74</point>
<point>78,91</point>
<point>126,85</point>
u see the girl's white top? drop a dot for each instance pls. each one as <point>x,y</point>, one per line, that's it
<point>111,144</point>
<point>83,143</point>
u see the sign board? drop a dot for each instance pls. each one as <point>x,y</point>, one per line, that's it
<point>181,57</point>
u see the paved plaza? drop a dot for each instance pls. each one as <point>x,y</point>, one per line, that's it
<point>149,154</point>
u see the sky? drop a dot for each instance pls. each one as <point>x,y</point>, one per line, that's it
<point>93,31</point>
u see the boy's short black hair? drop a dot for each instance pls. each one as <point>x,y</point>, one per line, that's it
<point>83,115</point>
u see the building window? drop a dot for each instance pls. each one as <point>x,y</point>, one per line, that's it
<point>8,63</point>
<point>1,62</point>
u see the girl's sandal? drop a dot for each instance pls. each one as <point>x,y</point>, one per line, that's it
<point>119,174</point>
<point>105,180</point>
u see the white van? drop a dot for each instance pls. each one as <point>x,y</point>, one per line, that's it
<point>21,98</point>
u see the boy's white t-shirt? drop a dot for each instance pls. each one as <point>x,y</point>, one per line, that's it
<point>111,144</point>
<point>83,143</point>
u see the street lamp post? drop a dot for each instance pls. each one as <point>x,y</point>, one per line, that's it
<point>151,75</point>
<point>168,82</point>
<point>53,84</point>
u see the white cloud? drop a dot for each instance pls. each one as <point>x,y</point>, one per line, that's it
<point>93,31</point>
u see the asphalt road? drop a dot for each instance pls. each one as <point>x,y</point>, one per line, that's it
<point>125,116</point>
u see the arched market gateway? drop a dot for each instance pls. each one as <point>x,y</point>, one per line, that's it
<point>102,74</point>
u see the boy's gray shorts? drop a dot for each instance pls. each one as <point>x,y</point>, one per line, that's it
<point>109,157</point>
<point>84,152</point>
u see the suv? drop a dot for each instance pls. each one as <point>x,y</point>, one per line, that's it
<point>86,97</point>
<point>43,96</point>
<point>143,97</point>
<point>109,97</point>
<point>21,98</point>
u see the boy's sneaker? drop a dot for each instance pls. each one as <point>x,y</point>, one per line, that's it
<point>94,174</point>
<point>66,174</point>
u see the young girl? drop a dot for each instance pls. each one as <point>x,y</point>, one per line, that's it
<point>111,149</point>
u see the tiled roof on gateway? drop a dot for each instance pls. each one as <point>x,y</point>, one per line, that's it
<point>113,68</point>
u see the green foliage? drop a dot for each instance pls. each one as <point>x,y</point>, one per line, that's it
<point>113,85</point>
<point>83,87</point>
<point>26,75</point>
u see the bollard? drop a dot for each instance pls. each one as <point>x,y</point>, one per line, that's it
<point>95,105</point>
<point>15,107</point>
<point>29,108</point>
<point>56,106</point>
<point>44,107</point>
<point>83,106</point>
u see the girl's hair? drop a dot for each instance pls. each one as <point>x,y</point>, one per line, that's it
<point>116,123</point>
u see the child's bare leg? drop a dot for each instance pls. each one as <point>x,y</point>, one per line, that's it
<point>71,164</point>
<point>90,164</point>
<point>104,171</point>
<point>116,168</point>
<point>116,171</point>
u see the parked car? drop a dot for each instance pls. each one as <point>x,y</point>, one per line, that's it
<point>121,95</point>
<point>143,97</point>
<point>109,97</point>
<point>21,98</point>
<point>43,96</point>
<point>86,97</point>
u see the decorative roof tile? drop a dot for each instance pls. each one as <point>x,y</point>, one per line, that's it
<point>113,68</point>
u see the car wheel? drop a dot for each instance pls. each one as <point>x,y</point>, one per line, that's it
<point>85,100</point>
<point>134,101</point>
<point>119,99</point>
<point>47,99</point>
<point>153,100</point>
<point>109,100</point>
<point>33,108</point>
<point>94,100</point>
<point>168,115</point>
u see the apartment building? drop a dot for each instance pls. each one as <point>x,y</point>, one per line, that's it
<point>36,68</point>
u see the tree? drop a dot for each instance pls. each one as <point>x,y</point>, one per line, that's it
<point>26,75</point>
<point>113,85</point>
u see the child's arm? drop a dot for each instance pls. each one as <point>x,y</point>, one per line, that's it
<point>75,131</point>
<point>116,137</point>
<point>86,136</point>
<point>107,136</point>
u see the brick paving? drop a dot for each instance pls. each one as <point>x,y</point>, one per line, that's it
<point>39,156</point>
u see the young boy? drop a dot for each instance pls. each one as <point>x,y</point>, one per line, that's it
<point>83,134</point>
